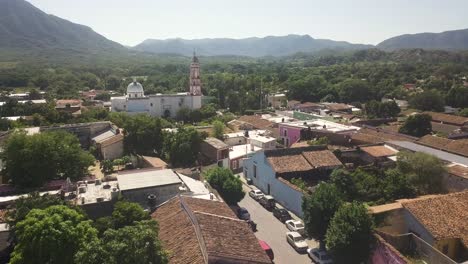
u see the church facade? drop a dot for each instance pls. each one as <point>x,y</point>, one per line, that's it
<point>164,105</point>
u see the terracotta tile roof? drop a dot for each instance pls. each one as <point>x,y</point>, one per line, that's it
<point>379,151</point>
<point>459,171</point>
<point>65,102</point>
<point>444,128</point>
<point>289,163</point>
<point>112,140</point>
<point>155,162</point>
<point>292,103</point>
<point>224,238</point>
<point>434,141</point>
<point>301,159</point>
<point>448,119</point>
<point>216,143</point>
<point>256,121</point>
<point>230,239</point>
<point>300,144</point>
<point>369,135</point>
<point>459,146</point>
<point>321,158</point>
<point>338,107</point>
<point>444,216</point>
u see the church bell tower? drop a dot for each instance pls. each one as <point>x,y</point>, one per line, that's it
<point>195,82</point>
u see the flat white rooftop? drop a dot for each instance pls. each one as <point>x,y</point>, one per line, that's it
<point>93,192</point>
<point>321,124</point>
<point>145,178</point>
<point>241,150</point>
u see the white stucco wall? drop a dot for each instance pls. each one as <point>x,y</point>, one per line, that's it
<point>156,105</point>
<point>283,194</point>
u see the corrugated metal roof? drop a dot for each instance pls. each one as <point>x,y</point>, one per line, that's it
<point>438,153</point>
<point>103,136</point>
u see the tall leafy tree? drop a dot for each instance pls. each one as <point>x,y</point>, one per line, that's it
<point>226,183</point>
<point>143,134</point>
<point>319,208</point>
<point>138,243</point>
<point>33,160</point>
<point>354,90</point>
<point>457,96</point>
<point>182,147</point>
<point>218,129</point>
<point>349,234</point>
<point>342,180</point>
<point>417,125</point>
<point>52,235</point>
<point>127,213</point>
<point>430,100</point>
<point>423,170</point>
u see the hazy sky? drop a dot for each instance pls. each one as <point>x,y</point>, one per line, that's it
<point>357,21</point>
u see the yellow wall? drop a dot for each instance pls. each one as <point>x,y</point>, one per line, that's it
<point>453,247</point>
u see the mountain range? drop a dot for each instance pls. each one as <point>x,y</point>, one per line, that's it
<point>27,31</point>
<point>447,40</point>
<point>253,47</point>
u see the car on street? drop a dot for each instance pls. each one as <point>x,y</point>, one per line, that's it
<point>268,202</point>
<point>249,181</point>
<point>297,242</point>
<point>256,194</point>
<point>282,214</point>
<point>296,226</point>
<point>267,249</point>
<point>319,256</point>
<point>243,214</point>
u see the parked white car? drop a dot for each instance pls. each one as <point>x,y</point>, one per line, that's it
<point>256,194</point>
<point>319,256</point>
<point>297,241</point>
<point>296,226</point>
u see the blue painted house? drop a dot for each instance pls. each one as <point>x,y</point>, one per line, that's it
<point>272,170</point>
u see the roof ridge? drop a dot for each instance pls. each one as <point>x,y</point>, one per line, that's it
<point>219,216</point>
<point>196,225</point>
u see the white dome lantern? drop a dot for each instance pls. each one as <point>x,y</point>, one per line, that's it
<point>135,90</point>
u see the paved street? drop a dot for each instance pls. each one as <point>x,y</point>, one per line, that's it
<point>272,231</point>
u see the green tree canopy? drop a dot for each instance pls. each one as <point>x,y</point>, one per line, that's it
<point>30,161</point>
<point>143,134</point>
<point>349,235</point>
<point>52,235</point>
<point>226,183</point>
<point>218,129</point>
<point>417,125</point>
<point>423,170</point>
<point>457,97</point>
<point>430,100</point>
<point>127,213</point>
<point>374,109</point>
<point>353,90</point>
<point>182,147</point>
<point>342,180</point>
<point>319,208</point>
<point>138,243</point>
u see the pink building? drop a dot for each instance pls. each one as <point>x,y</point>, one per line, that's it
<point>290,133</point>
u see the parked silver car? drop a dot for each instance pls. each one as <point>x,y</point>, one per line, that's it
<point>296,226</point>
<point>297,242</point>
<point>256,194</point>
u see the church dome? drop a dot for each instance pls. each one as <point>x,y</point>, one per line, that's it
<point>134,87</point>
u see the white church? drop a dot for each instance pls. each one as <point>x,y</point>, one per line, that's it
<point>165,105</point>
